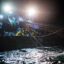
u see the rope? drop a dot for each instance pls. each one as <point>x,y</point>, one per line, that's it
<point>51,33</point>
<point>39,43</point>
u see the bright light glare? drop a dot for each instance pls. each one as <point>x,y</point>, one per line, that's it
<point>31,11</point>
<point>8,9</point>
<point>1,16</point>
<point>20,19</point>
<point>29,21</point>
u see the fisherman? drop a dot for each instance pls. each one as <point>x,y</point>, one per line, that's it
<point>20,32</point>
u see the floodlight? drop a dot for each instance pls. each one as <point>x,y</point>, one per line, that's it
<point>31,11</point>
<point>8,9</point>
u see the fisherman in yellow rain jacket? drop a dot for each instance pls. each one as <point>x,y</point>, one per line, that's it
<point>24,32</point>
<point>20,33</point>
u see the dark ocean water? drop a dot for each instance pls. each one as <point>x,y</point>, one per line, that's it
<point>43,55</point>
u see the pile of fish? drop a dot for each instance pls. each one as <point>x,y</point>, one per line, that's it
<point>31,56</point>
